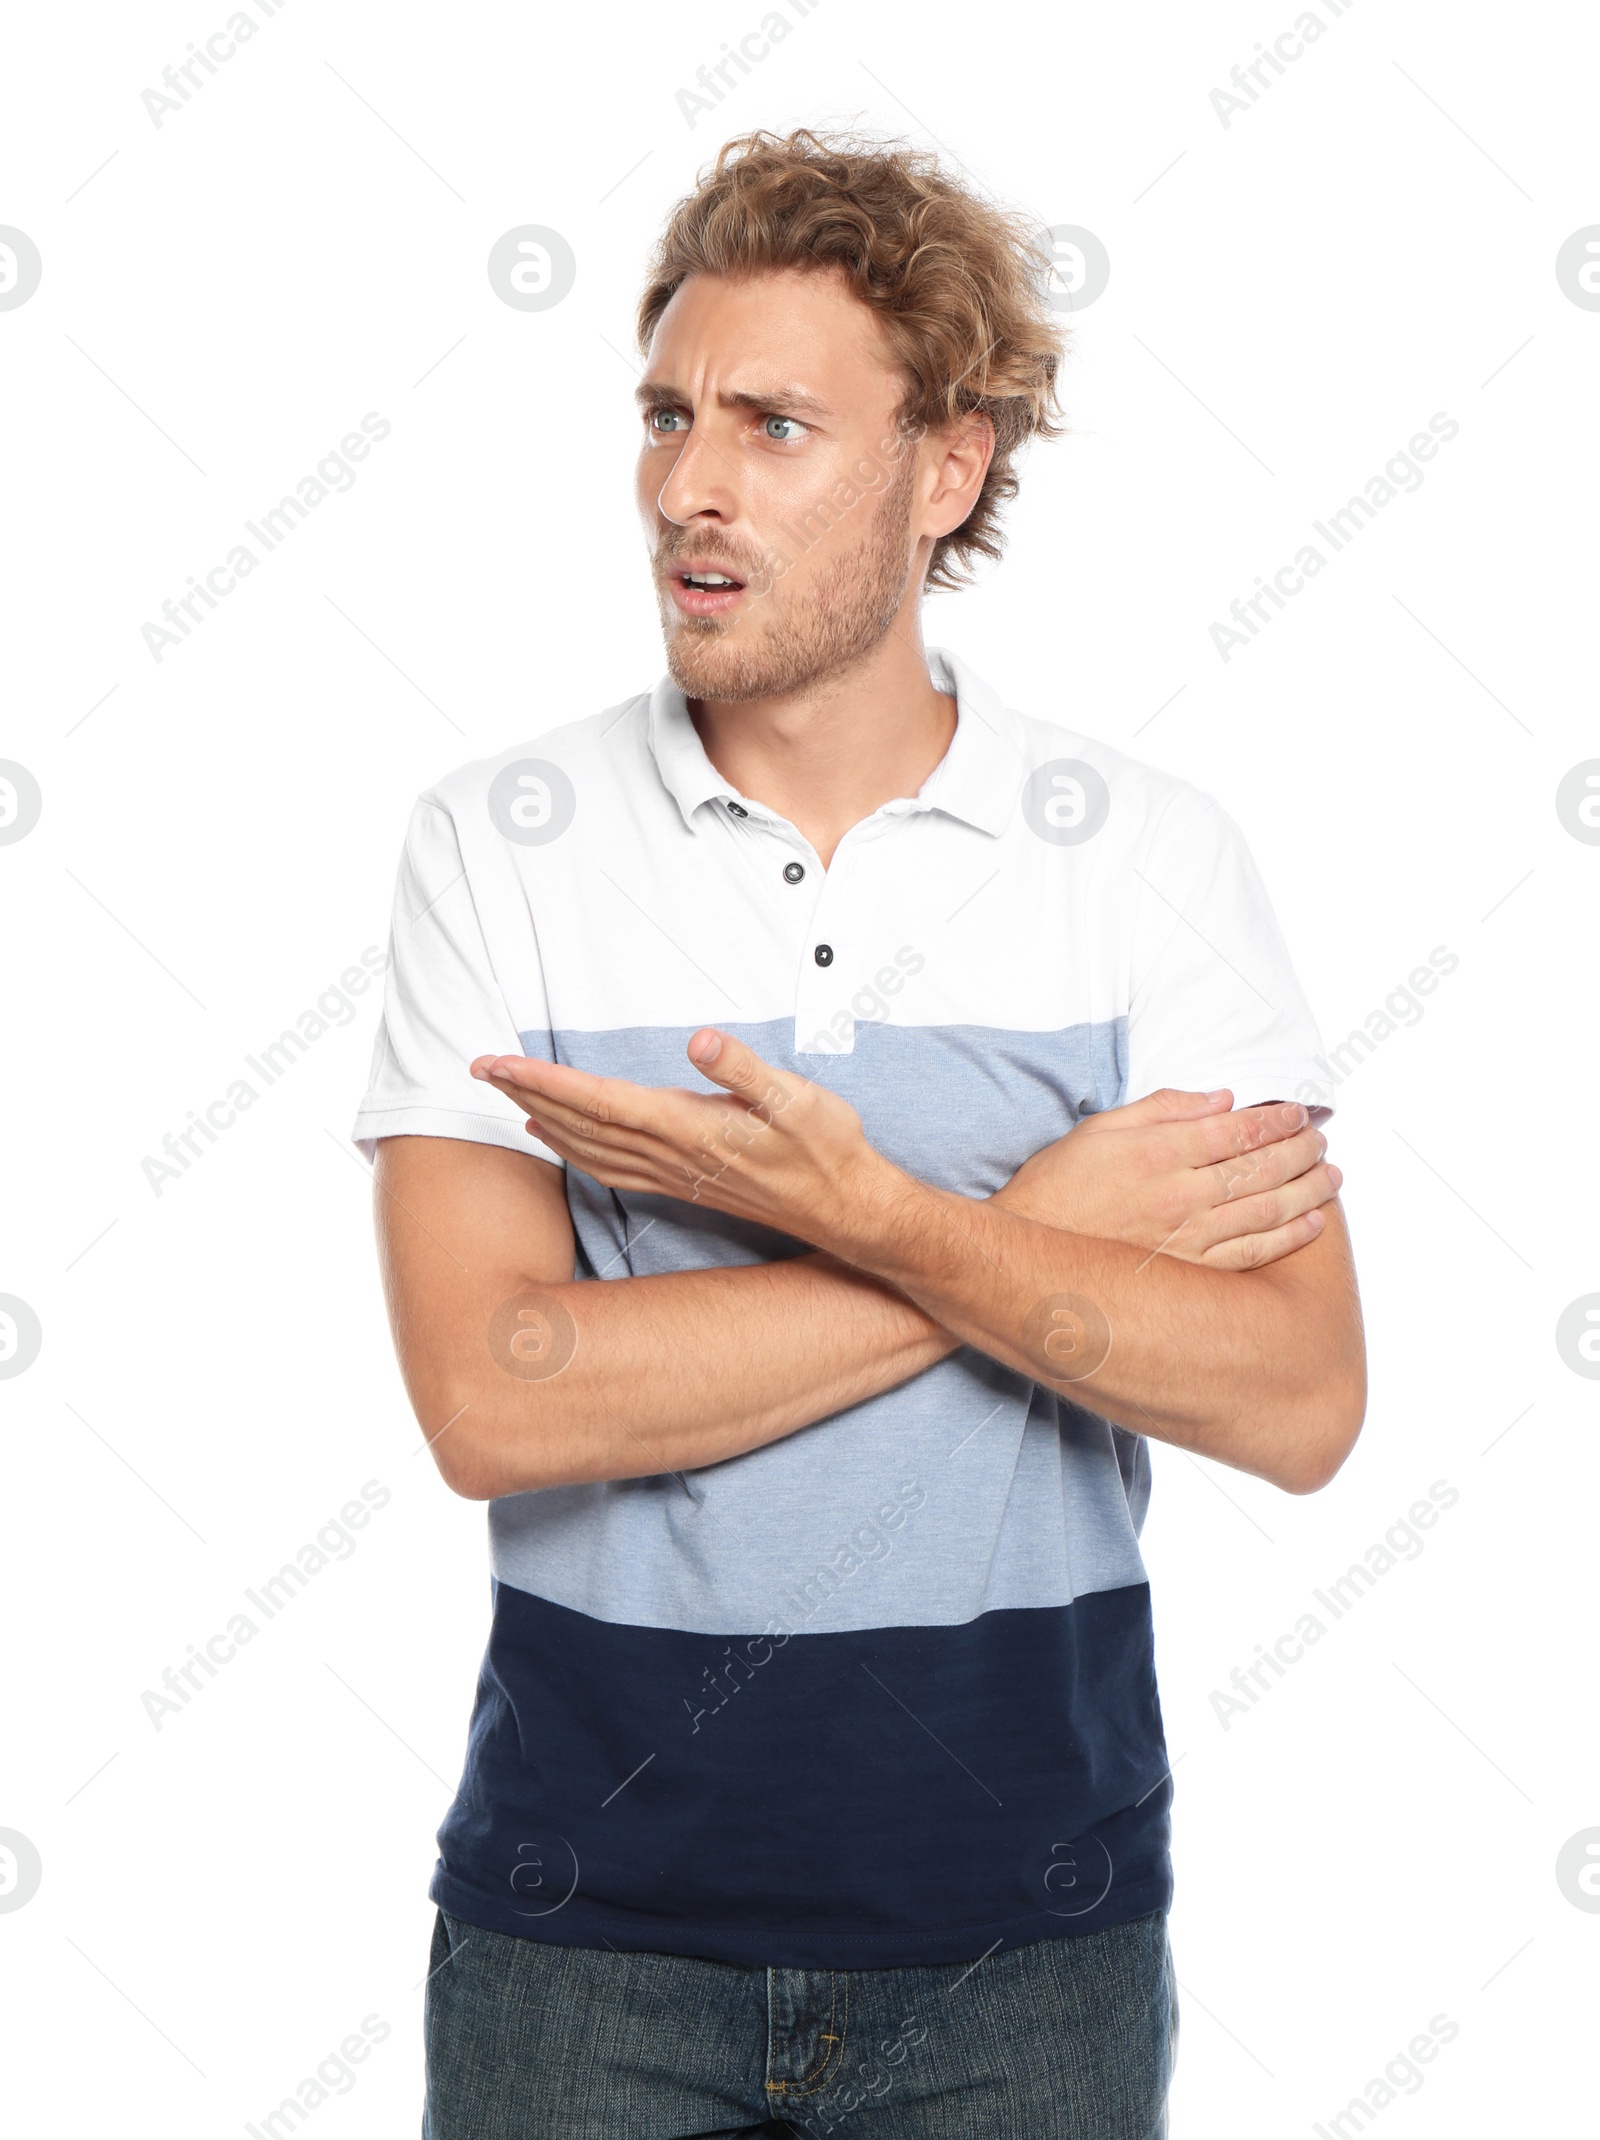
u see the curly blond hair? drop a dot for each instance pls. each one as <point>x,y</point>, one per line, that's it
<point>958,284</point>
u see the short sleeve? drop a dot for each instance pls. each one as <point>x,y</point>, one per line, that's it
<point>442,1007</point>
<point>1213,998</point>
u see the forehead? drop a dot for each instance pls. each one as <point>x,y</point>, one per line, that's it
<point>803,326</point>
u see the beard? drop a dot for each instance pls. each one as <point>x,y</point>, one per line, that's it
<point>794,638</point>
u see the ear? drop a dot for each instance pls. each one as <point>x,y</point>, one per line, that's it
<point>960,454</point>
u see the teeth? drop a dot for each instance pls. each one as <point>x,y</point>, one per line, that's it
<point>706,579</point>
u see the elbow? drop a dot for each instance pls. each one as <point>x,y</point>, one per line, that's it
<point>480,1458</point>
<point>462,1454</point>
<point>470,1483</point>
<point>482,1478</point>
<point>462,1466</point>
<point>1329,1428</point>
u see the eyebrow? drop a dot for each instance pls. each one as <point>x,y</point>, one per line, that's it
<point>785,400</point>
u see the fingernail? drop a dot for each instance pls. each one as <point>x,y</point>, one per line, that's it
<point>1221,1093</point>
<point>708,1050</point>
<point>1336,1175</point>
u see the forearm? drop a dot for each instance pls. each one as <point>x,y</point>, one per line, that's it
<point>1229,1364</point>
<point>670,1373</point>
<point>1259,1363</point>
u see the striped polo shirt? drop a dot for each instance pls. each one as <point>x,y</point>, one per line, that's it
<point>882,1692</point>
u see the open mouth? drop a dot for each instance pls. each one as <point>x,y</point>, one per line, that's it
<point>704,590</point>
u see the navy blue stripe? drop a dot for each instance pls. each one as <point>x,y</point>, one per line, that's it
<point>863,1800</point>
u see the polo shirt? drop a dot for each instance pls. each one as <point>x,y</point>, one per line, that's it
<point>882,1692</point>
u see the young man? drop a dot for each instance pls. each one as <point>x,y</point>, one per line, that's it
<point>851,1188</point>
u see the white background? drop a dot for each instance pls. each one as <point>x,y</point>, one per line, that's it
<point>1291,298</point>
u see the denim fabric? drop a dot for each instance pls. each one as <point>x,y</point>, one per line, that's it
<point>1064,2039</point>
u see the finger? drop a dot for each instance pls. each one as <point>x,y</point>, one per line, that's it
<point>601,1121</point>
<point>1254,1251</point>
<point>664,1158</point>
<point>1268,1167</point>
<point>1276,1207</point>
<point>596,1153</point>
<point>557,1114</point>
<point>520,1070</point>
<point>616,1167</point>
<point>1170,1104</point>
<point>573,1145</point>
<point>1245,1129</point>
<point>602,1099</point>
<point>740,1071</point>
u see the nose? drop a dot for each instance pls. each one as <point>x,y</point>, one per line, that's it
<point>698,485</point>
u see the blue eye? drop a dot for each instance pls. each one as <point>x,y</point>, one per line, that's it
<point>791,429</point>
<point>665,419</point>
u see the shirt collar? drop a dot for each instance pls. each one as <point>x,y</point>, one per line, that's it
<point>978,780</point>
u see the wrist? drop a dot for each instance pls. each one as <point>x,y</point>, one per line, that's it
<point>868,1212</point>
<point>912,1236</point>
<point>1014,1196</point>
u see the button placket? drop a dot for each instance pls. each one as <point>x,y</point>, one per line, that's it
<point>823,951</point>
<point>794,882</point>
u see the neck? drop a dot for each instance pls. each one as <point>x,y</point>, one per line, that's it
<point>829,753</point>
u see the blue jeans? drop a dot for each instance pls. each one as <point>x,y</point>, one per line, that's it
<point>1065,2039</point>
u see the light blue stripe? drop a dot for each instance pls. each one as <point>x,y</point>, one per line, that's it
<point>1019,1501</point>
<point>1001,1505</point>
<point>961,1106</point>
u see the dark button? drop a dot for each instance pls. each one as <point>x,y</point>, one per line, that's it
<point>793,872</point>
<point>823,954</point>
<point>738,809</point>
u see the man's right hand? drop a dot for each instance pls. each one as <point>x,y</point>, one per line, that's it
<point>1185,1174</point>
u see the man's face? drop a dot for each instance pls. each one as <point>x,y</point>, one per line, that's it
<point>773,459</point>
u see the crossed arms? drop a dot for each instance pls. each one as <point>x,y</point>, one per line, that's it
<point>1176,1266</point>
